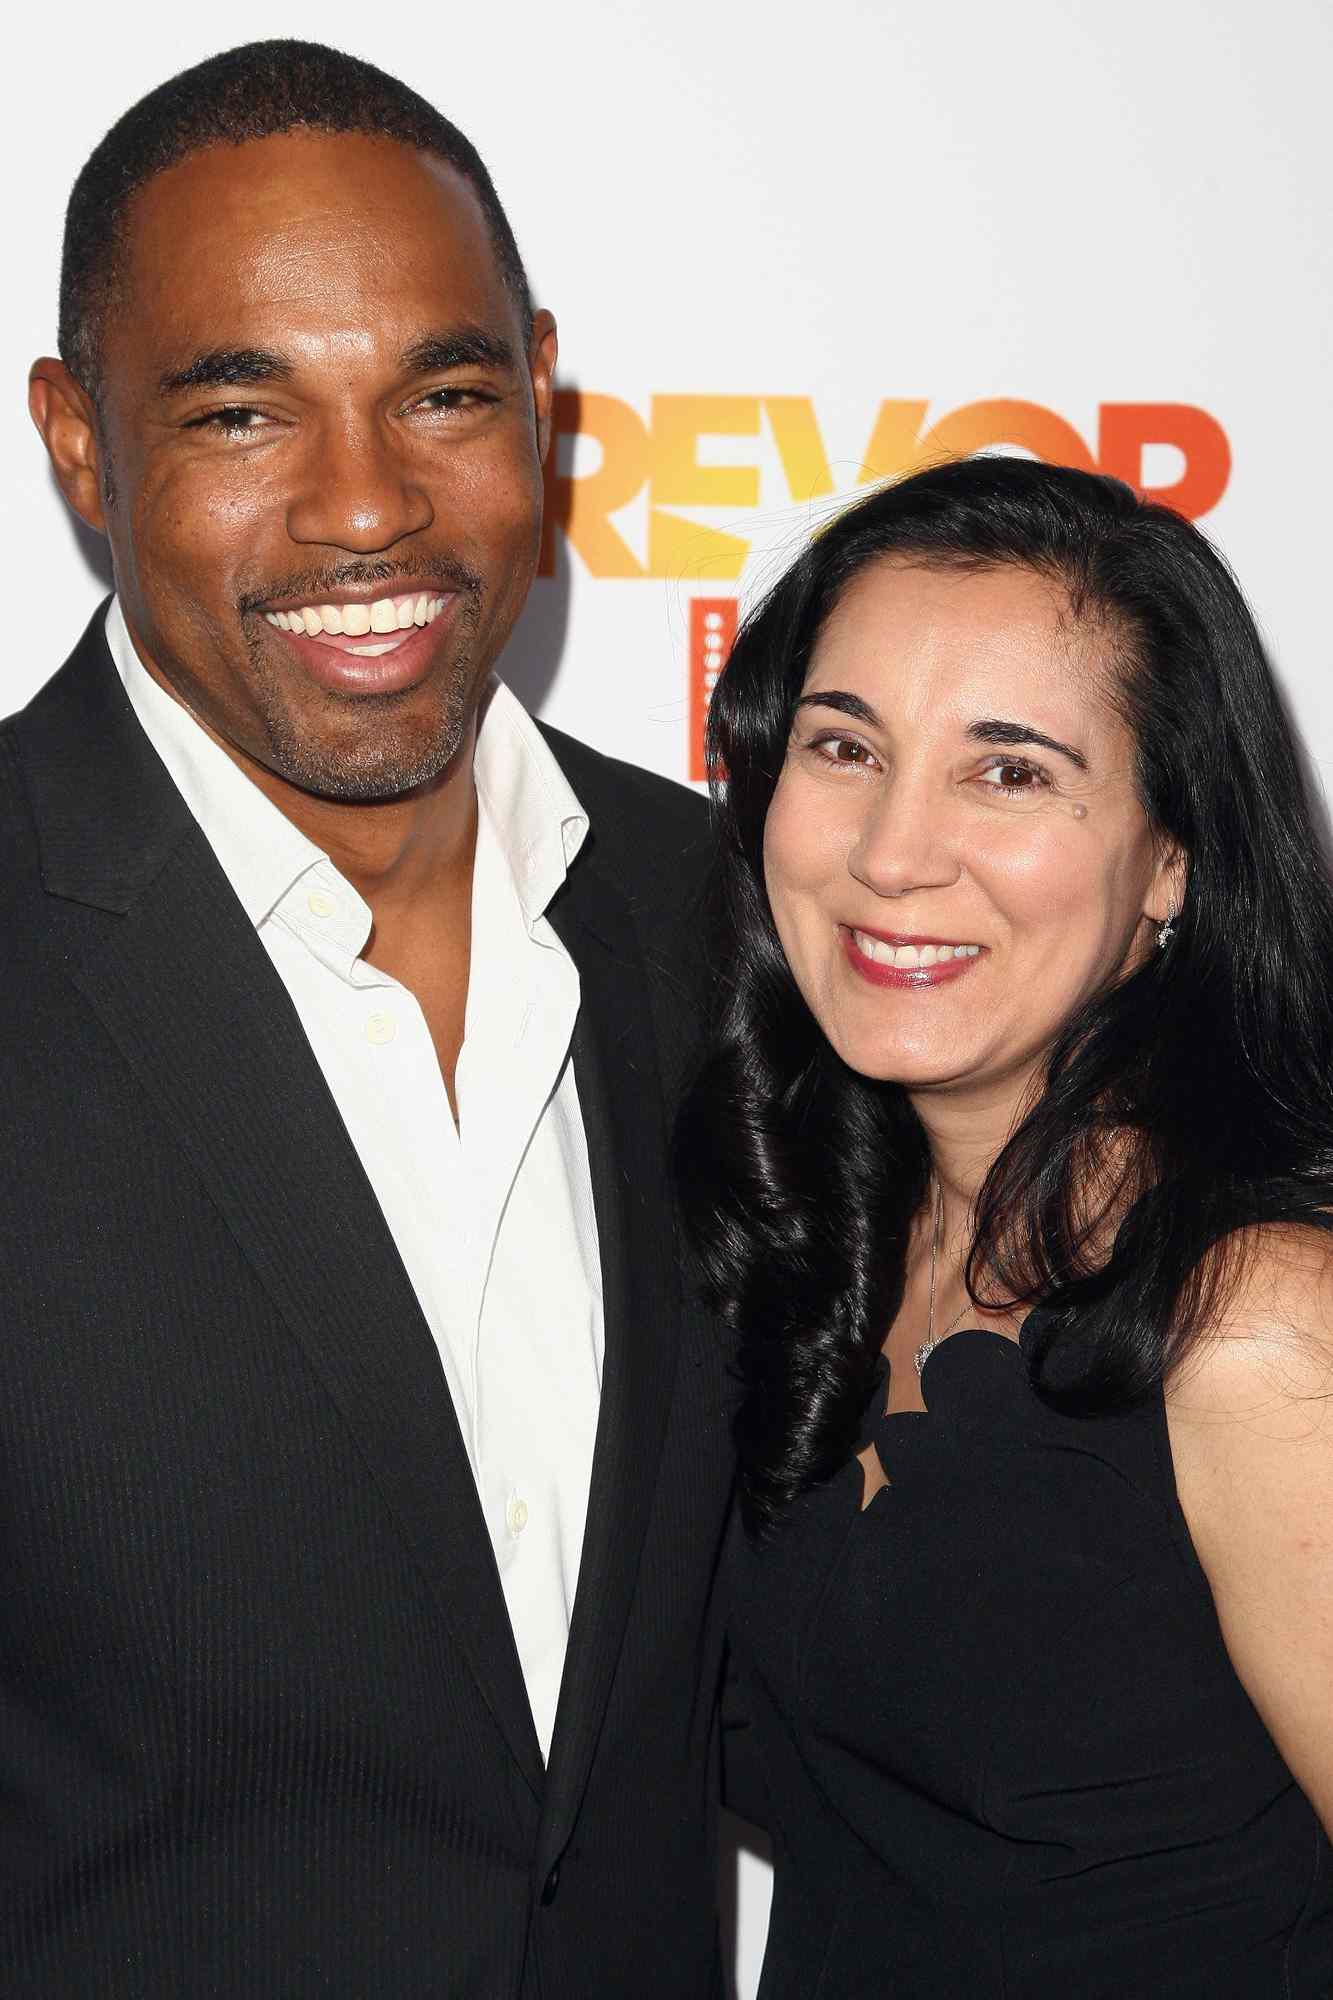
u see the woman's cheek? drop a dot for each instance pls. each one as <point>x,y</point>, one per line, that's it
<point>807,837</point>
<point>782,846</point>
<point>796,875</point>
<point>1038,857</point>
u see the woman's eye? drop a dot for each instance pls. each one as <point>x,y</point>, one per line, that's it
<point>841,750</point>
<point>1014,778</point>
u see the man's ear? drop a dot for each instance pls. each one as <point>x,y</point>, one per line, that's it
<point>541,366</point>
<point>64,414</point>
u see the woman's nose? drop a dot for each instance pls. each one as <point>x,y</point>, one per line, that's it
<point>904,842</point>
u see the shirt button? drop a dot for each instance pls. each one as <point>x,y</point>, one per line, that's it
<point>516,1515</point>
<point>321,903</point>
<point>380,1028</point>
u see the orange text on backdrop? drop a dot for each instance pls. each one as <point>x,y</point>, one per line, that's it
<point>662,454</point>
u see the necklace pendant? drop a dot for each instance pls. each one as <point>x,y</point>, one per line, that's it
<point>923,1354</point>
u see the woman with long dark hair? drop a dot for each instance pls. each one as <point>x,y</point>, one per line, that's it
<point>1012,1168</point>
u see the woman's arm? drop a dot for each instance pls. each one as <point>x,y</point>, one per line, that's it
<point>1251,1425</point>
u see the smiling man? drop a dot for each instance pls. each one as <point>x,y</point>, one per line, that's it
<point>364,1466</point>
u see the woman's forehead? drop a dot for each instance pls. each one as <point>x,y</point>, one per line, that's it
<point>938,644</point>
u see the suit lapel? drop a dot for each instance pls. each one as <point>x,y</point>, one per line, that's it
<point>620,1090</point>
<point>187,991</point>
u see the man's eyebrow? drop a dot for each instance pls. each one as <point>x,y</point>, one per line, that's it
<point>846,704</point>
<point>1012,734</point>
<point>227,368</point>
<point>462,347</point>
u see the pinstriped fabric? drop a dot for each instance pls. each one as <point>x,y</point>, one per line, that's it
<point>206,1710</point>
<point>261,1725</point>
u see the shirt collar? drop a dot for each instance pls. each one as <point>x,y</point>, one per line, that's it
<point>532,811</point>
<point>526,797</point>
<point>260,850</point>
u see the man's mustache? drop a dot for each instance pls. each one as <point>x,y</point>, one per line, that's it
<point>314,586</point>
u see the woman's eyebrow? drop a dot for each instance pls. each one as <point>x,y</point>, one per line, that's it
<point>1011,734</point>
<point>1008,735</point>
<point>846,704</point>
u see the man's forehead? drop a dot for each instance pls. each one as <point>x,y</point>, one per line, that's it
<point>277,204</point>
<point>313,243</point>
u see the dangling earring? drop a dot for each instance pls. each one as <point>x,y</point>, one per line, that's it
<point>1167,931</point>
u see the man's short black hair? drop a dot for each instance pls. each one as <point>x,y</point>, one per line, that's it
<point>252,92</point>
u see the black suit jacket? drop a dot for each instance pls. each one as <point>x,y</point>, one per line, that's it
<point>262,1723</point>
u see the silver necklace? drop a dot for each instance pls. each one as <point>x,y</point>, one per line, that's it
<point>932,1340</point>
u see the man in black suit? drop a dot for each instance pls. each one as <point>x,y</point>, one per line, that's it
<point>363,1464</point>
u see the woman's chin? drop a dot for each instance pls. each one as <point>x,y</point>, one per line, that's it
<point>911,1067</point>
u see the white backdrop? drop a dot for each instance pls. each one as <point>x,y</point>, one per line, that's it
<point>783,244</point>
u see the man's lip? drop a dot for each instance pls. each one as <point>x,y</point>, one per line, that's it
<point>372,594</point>
<point>340,672</point>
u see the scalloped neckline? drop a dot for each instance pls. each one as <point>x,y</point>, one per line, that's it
<point>884,1367</point>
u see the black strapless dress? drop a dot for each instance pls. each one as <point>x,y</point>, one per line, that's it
<point>1006,1753</point>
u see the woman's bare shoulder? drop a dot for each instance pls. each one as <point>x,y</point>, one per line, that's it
<point>1250,1413</point>
<point>1267,1351</point>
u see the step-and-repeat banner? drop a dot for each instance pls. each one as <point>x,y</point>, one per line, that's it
<point>793,250</point>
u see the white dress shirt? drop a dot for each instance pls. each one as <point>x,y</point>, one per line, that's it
<point>493,1219</point>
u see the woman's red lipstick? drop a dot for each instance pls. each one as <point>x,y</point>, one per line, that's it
<point>938,971</point>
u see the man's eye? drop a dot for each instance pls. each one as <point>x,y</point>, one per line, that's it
<point>234,418</point>
<point>452,400</point>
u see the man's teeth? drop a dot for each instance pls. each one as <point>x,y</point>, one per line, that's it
<point>910,957</point>
<point>386,614</point>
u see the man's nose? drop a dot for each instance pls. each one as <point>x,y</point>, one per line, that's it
<point>357,493</point>
<point>906,841</point>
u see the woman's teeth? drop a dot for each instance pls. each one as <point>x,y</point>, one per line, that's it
<point>910,957</point>
<point>386,614</point>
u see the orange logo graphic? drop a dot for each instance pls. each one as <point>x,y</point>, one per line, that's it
<point>662,455</point>
<point>712,633</point>
<point>662,458</point>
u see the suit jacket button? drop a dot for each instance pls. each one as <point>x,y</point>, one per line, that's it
<point>550,1887</point>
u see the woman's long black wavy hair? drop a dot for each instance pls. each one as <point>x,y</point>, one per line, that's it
<point>1195,1096</point>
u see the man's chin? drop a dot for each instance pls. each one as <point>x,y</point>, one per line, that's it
<point>383,759</point>
<point>375,748</point>
<point>359,780</point>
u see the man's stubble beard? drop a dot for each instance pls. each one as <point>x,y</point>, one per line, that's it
<point>381,769</point>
